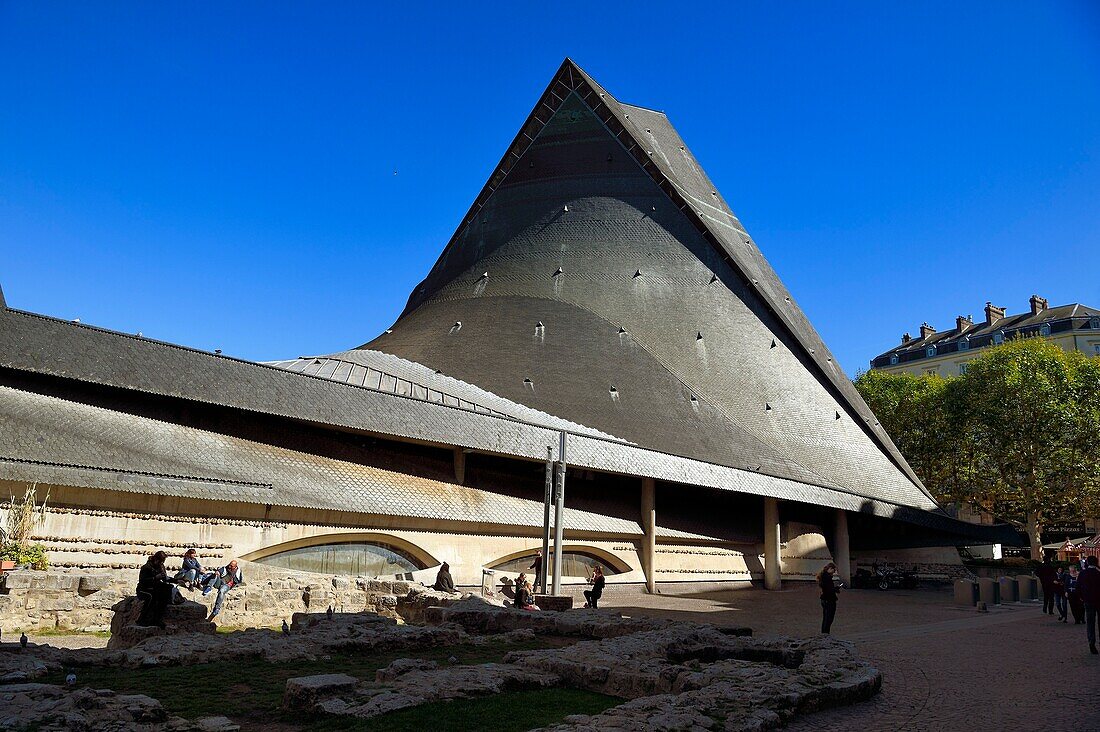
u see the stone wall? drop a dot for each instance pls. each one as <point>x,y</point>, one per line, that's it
<point>82,600</point>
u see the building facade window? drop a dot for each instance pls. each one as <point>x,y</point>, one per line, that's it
<point>998,338</point>
<point>1096,349</point>
<point>573,564</point>
<point>1094,323</point>
<point>1044,329</point>
<point>964,344</point>
<point>962,368</point>
<point>368,559</point>
<point>893,359</point>
<point>930,351</point>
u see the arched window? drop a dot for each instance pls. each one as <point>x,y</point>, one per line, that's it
<point>1094,323</point>
<point>573,564</point>
<point>1044,329</point>
<point>930,351</point>
<point>893,359</point>
<point>998,338</point>
<point>368,559</point>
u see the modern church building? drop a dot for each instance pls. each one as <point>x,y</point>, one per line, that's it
<point>600,287</point>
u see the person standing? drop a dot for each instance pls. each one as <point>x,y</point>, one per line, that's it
<point>828,596</point>
<point>1061,579</point>
<point>1088,584</point>
<point>592,597</point>
<point>1046,579</point>
<point>539,565</point>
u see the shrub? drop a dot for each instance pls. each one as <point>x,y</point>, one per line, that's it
<point>25,554</point>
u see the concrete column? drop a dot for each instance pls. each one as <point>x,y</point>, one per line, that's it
<point>843,550</point>
<point>771,545</point>
<point>460,466</point>
<point>649,526</point>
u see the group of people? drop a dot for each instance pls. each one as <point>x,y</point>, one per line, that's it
<point>158,590</point>
<point>1076,591</point>
<point>521,592</point>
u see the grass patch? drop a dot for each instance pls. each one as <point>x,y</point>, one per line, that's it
<point>250,690</point>
<point>513,711</point>
<point>56,632</point>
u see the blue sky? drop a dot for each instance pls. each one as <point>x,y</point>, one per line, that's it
<point>222,177</point>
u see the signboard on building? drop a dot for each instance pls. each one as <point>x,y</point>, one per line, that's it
<point>1067,528</point>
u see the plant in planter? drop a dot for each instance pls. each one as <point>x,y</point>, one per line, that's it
<point>24,516</point>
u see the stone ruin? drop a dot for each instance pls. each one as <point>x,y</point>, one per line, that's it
<point>670,674</point>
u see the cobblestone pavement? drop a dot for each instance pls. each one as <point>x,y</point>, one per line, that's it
<point>944,667</point>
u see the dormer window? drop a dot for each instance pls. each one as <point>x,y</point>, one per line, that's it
<point>1094,322</point>
<point>893,359</point>
<point>998,338</point>
<point>964,344</point>
<point>930,351</point>
<point>1044,329</point>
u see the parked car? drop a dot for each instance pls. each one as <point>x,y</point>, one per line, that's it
<point>884,578</point>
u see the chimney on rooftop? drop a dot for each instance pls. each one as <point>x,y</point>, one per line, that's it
<point>905,338</point>
<point>1038,304</point>
<point>993,313</point>
<point>963,322</point>
<point>926,330</point>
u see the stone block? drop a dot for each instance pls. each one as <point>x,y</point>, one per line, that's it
<point>18,580</point>
<point>64,582</point>
<point>304,692</point>
<point>554,602</point>
<point>989,591</point>
<point>56,601</point>
<point>341,583</point>
<point>400,587</point>
<point>1010,589</point>
<point>90,583</point>
<point>966,593</point>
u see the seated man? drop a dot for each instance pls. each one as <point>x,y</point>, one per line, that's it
<point>443,581</point>
<point>224,580</point>
<point>191,571</point>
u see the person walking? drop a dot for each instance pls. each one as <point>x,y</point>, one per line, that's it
<point>1076,604</point>
<point>1046,579</point>
<point>828,596</point>
<point>1061,579</point>
<point>592,597</point>
<point>1088,584</point>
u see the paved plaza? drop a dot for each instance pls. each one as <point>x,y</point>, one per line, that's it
<point>944,667</point>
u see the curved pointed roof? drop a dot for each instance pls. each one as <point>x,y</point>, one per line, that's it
<point>600,277</point>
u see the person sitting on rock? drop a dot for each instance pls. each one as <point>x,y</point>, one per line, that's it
<point>224,580</point>
<point>443,581</point>
<point>528,600</point>
<point>592,597</point>
<point>154,585</point>
<point>191,572</point>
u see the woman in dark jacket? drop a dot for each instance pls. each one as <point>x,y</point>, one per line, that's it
<point>828,596</point>
<point>153,581</point>
<point>592,597</point>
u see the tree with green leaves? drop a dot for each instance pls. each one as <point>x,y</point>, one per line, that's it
<point>1018,434</point>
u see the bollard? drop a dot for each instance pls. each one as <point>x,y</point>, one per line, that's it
<point>1010,589</point>
<point>1029,587</point>
<point>966,592</point>
<point>989,591</point>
